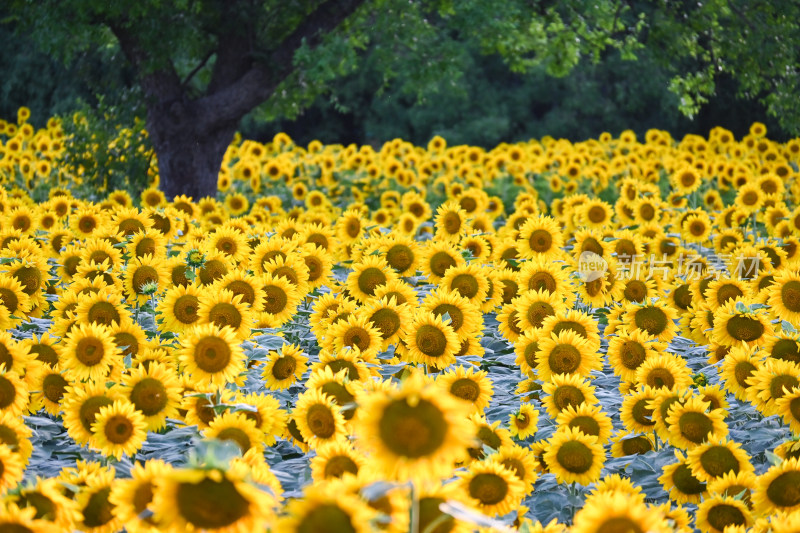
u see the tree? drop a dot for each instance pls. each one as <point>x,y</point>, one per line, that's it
<point>202,65</point>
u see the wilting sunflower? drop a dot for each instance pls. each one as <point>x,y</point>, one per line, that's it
<point>224,309</point>
<point>155,392</point>
<point>736,323</point>
<point>681,484</point>
<point>564,390</point>
<point>566,353</point>
<point>178,308</point>
<point>414,431</point>
<point>617,511</point>
<point>522,423</point>
<point>318,418</point>
<point>778,489</point>
<point>284,367</point>
<point>690,425</point>
<point>665,370</point>
<point>589,419</point>
<point>468,385</point>
<point>357,333</point>
<point>335,459</point>
<point>540,236</point>
<point>628,350</point>
<point>575,457</point>
<point>118,429</point>
<point>491,488</point>
<point>281,300</point>
<point>211,355</point>
<point>713,460</point>
<point>327,507</point>
<point>212,500</point>
<point>770,382</point>
<point>739,365</point>
<point>656,319</point>
<point>431,341</point>
<point>133,498</point>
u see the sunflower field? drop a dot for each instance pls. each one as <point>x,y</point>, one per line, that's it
<point>542,337</point>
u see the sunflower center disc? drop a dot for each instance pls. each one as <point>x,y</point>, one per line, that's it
<point>412,432</point>
<point>210,504</point>
<point>489,489</point>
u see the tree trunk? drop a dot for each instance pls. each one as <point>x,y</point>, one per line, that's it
<point>189,157</point>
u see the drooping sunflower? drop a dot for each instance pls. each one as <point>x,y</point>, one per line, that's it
<point>540,236</point>
<point>491,488</point>
<point>178,308</point>
<point>565,390</point>
<point>335,459</point>
<point>713,460</point>
<point>566,353</point>
<point>690,425</point>
<point>778,489</point>
<point>155,392</point>
<point>212,500</point>
<point>211,355</point>
<point>318,418</point>
<point>414,431</point>
<point>431,341</point>
<point>589,419</point>
<point>575,457</point>
<point>468,385</point>
<point>618,511</point>
<point>118,429</point>
<point>678,480</point>
<point>284,367</point>
<point>770,382</point>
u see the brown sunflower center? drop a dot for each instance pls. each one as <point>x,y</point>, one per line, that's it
<point>538,311</point>
<point>636,445</point>
<point>400,257</point>
<point>431,341</point>
<point>149,396</point>
<point>685,482</point>
<point>357,337</point>
<point>619,524</point>
<point>387,321</point>
<point>326,517</point>
<point>790,295</point>
<point>53,387</point>
<point>722,515</point>
<point>211,504</point>
<point>98,510</point>
<point>339,465</point>
<point>540,241</point>
<point>641,414</point>
<point>8,298</point>
<point>456,315</point>
<point>719,460</point>
<point>784,490</point>
<point>587,424</point>
<point>440,262</point>
<point>568,395</point>
<point>243,289</point>
<point>127,342</point>
<point>632,354</point>
<point>89,351</point>
<point>89,409</point>
<point>487,488</point>
<point>212,354</point>
<point>597,214</point>
<point>742,372</point>
<point>466,285</point>
<point>185,308</point>
<point>660,378</point>
<point>651,319</point>
<point>466,389</point>
<point>275,300</point>
<point>320,421</point>
<point>635,291</point>
<point>284,367</point>
<point>118,429</point>
<point>225,314</point>
<point>695,427</point>
<point>728,292</point>
<point>564,359</point>
<point>781,383</point>
<point>211,271</point>
<point>786,349</point>
<point>412,431</point>
<point>451,223</point>
<point>744,328</point>
<point>237,436</point>
<point>575,457</point>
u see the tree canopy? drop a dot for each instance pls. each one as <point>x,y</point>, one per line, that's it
<point>200,66</point>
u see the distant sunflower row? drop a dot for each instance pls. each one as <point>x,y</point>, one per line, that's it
<point>362,318</point>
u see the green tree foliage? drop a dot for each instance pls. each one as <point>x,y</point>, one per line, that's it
<point>202,65</point>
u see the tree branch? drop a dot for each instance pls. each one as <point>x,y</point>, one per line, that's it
<point>232,102</point>
<point>196,69</point>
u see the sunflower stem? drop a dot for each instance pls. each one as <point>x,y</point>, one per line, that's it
<point>655,440</point>
<point>414,518</point>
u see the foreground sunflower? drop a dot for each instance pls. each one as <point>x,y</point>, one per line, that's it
<point>736,323</point>
<point>778,489</point>
<point>492,488</point>
<point>719,513</point>
<point>327,507</point>
<point>414,431</point>
<point>133,498</point>
<point>119,429</point>
<point>614,511</point>
<point>212,500</point>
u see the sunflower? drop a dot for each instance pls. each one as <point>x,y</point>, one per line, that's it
<point>739,365</point>
<point>690,425</point>
<point>229,241</point>
<point>265,411</point>
<point>155,392</point>
<point>118,429</point>
<point>401,291</point>
<point>211,500</point>
<point>595,214</point>
<point>486,436</point>
<point>664,371</point>
<point>431,341</point>
<point>520,461</point>
<point>224,309</point>
<point>664,400</point>
<point>634,412</point>
<point>788,406</point>
<point>625,444</point>
<point>770,382</point>
<point>656,319</point>
<point>335,459</point>
<point>618,511</point>
<point>491,488</point>
<point>211,355</point>
<point>522,423</point>
<point>541,237</point>
<point>50,507</point>
<point>468,385</point>
<point>237,428</point>
<point>145,277</point>
<point>737,323</point>
<point>740,486</point>
<point>357,333</point>
<point>13,301</point>
<point>326,507</point>
<point>281,300</point>
<point>389,318</point>
<point>319,264</point>
<point>102,307</point>
<point>12,467</point>
<point>567,390</point>
<point>527,347</point>
<point>268,250</point>
<point>465,317</point>
<point>712,460</point>
<point>284,367</point>
<point>292,267</point>
<point>338,386</point>
<point>414,431</point>
<point>133,498</point>
<point>696,228</point>
<point>438,257</point>
<point>566,353</point>
<point>784,345</point>
<point>749,198</point>
<point>204,403</point>
<point>778,489</point>
<point>533,307</point>
<point>628,350</point>
<point>318,418</point>
<point>178,308</point>
<point>89,352</point>
<point>80,406</point>
<point>784,295</point>
<point>589,419</point>
<point>575,457</point>
<point>678,480</point>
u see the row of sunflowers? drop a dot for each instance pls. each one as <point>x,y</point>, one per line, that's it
<point>546,336</point>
